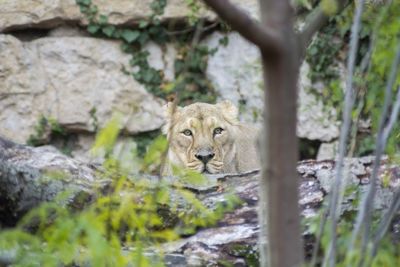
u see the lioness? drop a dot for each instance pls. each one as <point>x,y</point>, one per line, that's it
<point>209,139</point>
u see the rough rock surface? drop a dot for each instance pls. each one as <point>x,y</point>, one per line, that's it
<point>328,150</point>
<point>234,238</point>
<point>75,80</point>
<point>30,176</point>
<point>51,13</point>
<point>235,71</point>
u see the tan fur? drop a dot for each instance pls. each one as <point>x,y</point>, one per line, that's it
<point>234,148</point>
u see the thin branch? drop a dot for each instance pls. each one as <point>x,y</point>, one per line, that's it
<point>385,222</point>
<point>267,39</point>
<point>192,29</point>
<point>393,117</point>
<point>314,22</point>
<point>366,61</point>
<point>330,257</point>
<point>319,237</point>
<point>372,186</point>
<point>363,220</point>
<point>383,226</point>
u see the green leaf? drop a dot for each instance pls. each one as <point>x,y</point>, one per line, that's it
<point>103,19</point>
<point>143,38</point>
<point>130,35</point>
<point>93,28</point>
<point>329,7</point>
<point>126,48</point>
<point>108,30</point>
<point>155,151</point>
<point>143,24</point>
<point>107,137</point>
<point>148,76</point>
<point>93,10</point>
<point>83,9</point>
<point>117,34</point>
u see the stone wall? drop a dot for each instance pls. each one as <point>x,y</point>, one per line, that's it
<point>50,67</point>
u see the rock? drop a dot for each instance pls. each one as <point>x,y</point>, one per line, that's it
<point>77,81</point>
<point>236,73</point>
<point>327,151</point>
<point>67,31</point>
<point>175,260</point>
<point>30,176</point>
<point>315,120</point>
<point>19,14</point>
<point>162,58</point>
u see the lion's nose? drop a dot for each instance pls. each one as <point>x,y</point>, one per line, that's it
<point>204,155</point>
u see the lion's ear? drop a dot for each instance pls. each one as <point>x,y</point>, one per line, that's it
<point>168,114</point>
<point>229,110</point>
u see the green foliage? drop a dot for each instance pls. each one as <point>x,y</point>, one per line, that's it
<point>322,53</point>
<point>378,38</point>
<point>107,137</point>
<point>194,8</point>
<point>387,252</point>
<point>366,145</point>
<point>123,227</point>
<point>249,253</point>
<point>42,129</point>
<point>191,83</point>
<point>154,156</point>
<point>45,130</point>
<point>143,140</point>
<point>329,7</point>
<point>190,70</point>
<point>382,27</point>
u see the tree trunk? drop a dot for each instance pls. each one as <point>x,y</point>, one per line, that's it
<point>282,51</point>
<point>279,187</point>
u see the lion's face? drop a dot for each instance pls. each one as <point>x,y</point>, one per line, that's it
<point>201,136</point>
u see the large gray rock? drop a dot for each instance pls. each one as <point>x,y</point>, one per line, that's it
<point>30,176</point>
<point>75,80</point>
<point>236,72</point>
<point>16,14</point>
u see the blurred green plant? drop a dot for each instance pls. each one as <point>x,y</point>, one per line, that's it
<point>388,253</point>
<point>45,128</point>
<point>378,40</point>
<point>48,130</point>
<point>323,52</point>
<point>123,227</point>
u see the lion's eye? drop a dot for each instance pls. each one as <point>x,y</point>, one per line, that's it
<point>218,130</point>
<point>187,132</point>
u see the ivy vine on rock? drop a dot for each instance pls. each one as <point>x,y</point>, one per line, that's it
<point>190,82</point>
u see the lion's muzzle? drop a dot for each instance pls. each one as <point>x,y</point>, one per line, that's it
<point>205,155</point>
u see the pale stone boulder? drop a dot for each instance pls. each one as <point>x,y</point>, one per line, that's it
<point>236,73</point>
<point>77,81</point>
<point>16,14</point>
